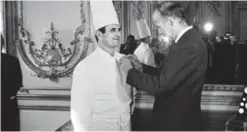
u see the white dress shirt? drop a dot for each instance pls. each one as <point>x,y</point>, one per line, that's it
<point>145,54</point>
<point>100,98</point>
<point>182,33</point>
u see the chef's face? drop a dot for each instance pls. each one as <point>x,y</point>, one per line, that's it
<point>218,39</point>
<point>111,37</point>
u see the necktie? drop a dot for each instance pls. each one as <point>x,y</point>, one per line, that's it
<point>124,90</point>
<point>129,91</point>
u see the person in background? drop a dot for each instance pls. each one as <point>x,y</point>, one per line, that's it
<point>241,73</point>
<point>233,40</point>
<point>143,52</point>
<point>227,34</point>
<point>214,72</point>
<point>218,39</point>
<point>121,48</point>
<point>130,46</point>
<point>154,45</point>
<point>228,61</point>
<point>100,98</point>
<point>235,59</point>
<point>178,84</point>
<point>212,42</point>
<point>11,82</point>
<point>158,56</point>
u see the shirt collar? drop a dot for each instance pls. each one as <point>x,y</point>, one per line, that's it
<point>182,33</point>
<point>103,53</point>
<point>107,55</point>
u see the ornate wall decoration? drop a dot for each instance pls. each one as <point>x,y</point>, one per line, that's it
<point>52,60</point>
<point>140,7</point>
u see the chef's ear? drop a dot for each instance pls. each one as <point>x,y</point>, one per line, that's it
<point>99,34</point>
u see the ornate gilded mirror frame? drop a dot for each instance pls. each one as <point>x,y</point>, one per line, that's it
<point>53,61</point>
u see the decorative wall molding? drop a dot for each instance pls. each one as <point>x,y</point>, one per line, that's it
<point>240,7</point>
<point>214,98</point>
<point>39,99</point>
<point>139,9</point>
<point>52,60</point>
<point>45,108</point>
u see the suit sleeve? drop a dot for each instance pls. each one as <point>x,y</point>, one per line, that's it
<point>151,70</point>
<point>170,76</point>
<point>82,99</point>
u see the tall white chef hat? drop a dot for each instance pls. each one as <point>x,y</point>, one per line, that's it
<point>103,13</point>
<point>143,28</point>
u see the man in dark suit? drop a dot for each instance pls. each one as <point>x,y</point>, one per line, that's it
<point>178,84</point>
<point>241,73</point>
<point>11,81</point>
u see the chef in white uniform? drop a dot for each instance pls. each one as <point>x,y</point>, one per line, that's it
<point>143,52</point>
<point>100,98</point>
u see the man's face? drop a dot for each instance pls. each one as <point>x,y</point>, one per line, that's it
<point>154,49</point>
<point>164,26</point>
<point>111,37</point>
<point>218,39</point>
<point>148,40</point>
<point>232,37</point>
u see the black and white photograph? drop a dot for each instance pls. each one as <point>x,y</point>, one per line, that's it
<point>115,65</point>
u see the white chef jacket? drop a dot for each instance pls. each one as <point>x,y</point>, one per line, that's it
<point>145,54</point>
<point>100,100</point>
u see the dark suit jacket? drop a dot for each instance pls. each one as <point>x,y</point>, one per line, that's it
<point>11,81</point>
<point>159,58</point>
<point>177,85</point>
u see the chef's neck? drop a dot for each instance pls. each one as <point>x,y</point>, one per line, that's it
<point>106,48</point>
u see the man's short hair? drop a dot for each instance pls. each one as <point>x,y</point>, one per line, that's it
<point>131,37</point>
<point>102,30</point>
<point>171,9</point>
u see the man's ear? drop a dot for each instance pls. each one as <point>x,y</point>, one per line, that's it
<point>170,21</point>
<point>99,34</point>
